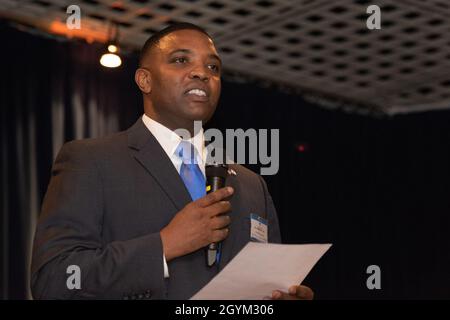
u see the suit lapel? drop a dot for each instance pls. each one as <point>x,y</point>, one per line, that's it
<point>149,153</point>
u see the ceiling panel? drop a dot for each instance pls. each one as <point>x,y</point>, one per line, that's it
<point>318,48</point>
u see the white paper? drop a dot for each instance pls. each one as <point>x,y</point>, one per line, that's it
<point>260,268</point>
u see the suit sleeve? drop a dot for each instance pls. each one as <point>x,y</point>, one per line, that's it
<point>271,215</point>
<point>69,234</point>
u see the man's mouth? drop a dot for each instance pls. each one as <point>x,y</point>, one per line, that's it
<point>197,92</point>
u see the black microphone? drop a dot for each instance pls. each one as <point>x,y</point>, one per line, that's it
<point>216,175</point>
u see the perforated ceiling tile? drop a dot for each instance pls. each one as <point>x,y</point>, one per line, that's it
<point>318,48</point>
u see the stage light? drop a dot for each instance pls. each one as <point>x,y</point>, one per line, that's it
<point>110,58</point>
<point>112,48</point>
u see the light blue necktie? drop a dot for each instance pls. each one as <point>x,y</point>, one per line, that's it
<point>190,172</point>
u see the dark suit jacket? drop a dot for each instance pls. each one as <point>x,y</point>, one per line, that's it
<point>107,201</point>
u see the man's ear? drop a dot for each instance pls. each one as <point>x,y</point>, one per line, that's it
<point>143,79</point>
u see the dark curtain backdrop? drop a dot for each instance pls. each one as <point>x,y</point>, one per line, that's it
<point>375,188</point>
<point>51,91</point>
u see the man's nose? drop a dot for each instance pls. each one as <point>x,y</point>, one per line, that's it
<point>199,73</point>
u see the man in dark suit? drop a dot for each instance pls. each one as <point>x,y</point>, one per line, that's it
<point>123,210</point>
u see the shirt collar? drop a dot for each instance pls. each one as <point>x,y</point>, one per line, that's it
<point>169,140</point>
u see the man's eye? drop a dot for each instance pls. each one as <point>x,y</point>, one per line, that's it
<point>214,67</point>
<point>180,60</point>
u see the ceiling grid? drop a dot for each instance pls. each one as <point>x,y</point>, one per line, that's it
<point>317,46</point>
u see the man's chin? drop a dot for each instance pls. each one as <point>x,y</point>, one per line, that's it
<point>200,114</point>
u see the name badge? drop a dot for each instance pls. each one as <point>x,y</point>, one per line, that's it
<point>258,228</point>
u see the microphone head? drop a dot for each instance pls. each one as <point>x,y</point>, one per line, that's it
<point>216,175</point>
<point>216,170</point>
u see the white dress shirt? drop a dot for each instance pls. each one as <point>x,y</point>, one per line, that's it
<point>169,141</point>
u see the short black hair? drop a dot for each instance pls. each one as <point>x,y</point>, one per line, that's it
<point>153,40</point>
